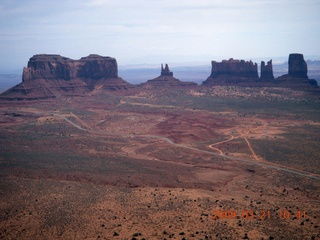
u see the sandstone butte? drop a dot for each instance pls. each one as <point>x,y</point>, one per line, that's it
<point>266,71</point>
<point>52,76</point>
<point>245,73</point>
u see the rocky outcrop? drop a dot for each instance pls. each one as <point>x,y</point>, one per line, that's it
<point>232,71</point>
<point>297,76</point>
<point>165,71</point>
<point>49,76</point>
<point>266,72</point>
<point>241,73</point>
<point>53,67</point>
<point>49,67</point>
<point>97,67</point>
<point>297,66</point>
<point>166,79</point>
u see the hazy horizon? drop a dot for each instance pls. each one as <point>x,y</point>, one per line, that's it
<point>155,63</point>
<point>147,31</point>
<point>185,71</point>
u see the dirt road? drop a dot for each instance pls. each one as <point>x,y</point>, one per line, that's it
<point>261,164</point>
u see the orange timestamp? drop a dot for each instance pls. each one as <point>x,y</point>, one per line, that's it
<point>258,214</point>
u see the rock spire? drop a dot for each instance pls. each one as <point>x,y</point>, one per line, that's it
<point>266,71</point>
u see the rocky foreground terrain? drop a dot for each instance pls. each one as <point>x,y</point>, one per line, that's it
<point>86,155</point>
<point>209,163</point>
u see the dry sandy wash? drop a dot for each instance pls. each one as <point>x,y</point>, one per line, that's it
<point>218,163</point>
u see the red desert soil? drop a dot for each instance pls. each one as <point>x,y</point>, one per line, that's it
<point>143,167</point>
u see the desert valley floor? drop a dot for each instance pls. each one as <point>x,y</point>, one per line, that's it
<point>198,163</point>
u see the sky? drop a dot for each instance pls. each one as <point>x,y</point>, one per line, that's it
<point>157,31</point>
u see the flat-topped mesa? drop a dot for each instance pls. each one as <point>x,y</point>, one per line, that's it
<point>266,71</point>
<point>54,67</point>
<point>234,68</point>
<point>49,76</point>
<point>45,66</point>
<point>97,67</point>
<point>165,71</point>
<point>232,71</point>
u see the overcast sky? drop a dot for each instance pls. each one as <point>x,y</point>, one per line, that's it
<point>140,31</point>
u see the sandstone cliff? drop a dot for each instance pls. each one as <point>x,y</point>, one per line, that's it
<point>232,71</point>
<point>166,79</point>
<point>241,73</point>
<point>297,66</point>
<point>297,76</point>
<point>266,71</point>
<point>49,76</point>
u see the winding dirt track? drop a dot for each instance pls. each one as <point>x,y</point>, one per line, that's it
<point>243,136</point>
<point>262,164</point>
<point>253,153</point>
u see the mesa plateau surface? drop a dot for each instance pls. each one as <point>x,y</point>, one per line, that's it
<point>51,76</point>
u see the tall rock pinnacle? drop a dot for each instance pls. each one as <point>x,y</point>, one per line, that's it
<point>166,80</point>
<point>165,71</point>
<point>266,71</point>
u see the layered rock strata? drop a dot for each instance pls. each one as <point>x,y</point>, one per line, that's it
<point>242,73</point>
<point>232,71</point>
<point>49,76</point>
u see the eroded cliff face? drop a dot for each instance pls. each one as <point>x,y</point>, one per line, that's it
<point>97,67</point>
<point>297,76</point>
<point>241,73</point>
<point>234,68</point>
<point>232,71</point>
<point>297,66</point>
<point>49,76</point>
<point>266,71</point>
<point>48,67</point>
<point>53,67</point>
